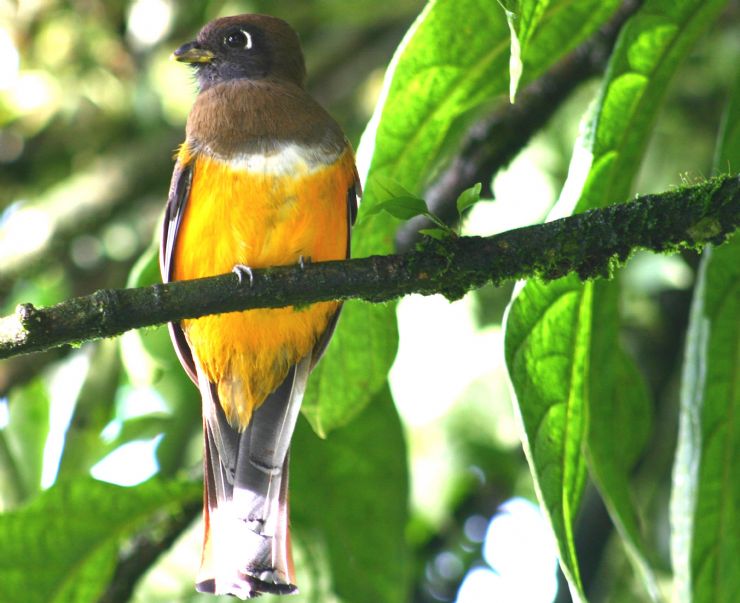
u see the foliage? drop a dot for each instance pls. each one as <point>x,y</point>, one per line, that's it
<point>552,343</point>
<point>87,123</point>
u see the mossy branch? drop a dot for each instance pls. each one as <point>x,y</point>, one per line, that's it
<point>591,244</point>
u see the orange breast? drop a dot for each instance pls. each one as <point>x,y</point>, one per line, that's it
<point>259,215</point>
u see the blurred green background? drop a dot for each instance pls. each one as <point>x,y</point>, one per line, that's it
<point>91,110</point>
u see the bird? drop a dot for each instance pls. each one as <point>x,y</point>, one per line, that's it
<point>264,177</point>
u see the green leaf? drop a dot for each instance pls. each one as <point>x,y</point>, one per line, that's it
<point>604,164</point>
<point>705,502</point>
<point>147,353</point>
<point>184,424</point>
<point>403,208</point>
<point>344,383</point>
<point>523,17</point>
<point>651,46</point>
<point>25,435</point>
<point>450,66</point>
<point>435,233</point>
<point>562,26</point>
<point>94,408</point>
<point>550,389</point>
<point>468,197</point>
<point>620,424</point>
<point>63,546</point>
<point>390,189</point>
<point>705,499</point>
<point>150,360</point>
<point>396,200</point>
<point>727,157</point>
<point>361,535</point>
<point>146,269</point>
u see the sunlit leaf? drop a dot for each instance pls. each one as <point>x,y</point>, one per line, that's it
<point>389,189</point>
<point>604,164</point>
<point>468,198</point>
<point>340,386</point>
<point>705,503</point>
<point>547,358</point>
<point>705,499</point>
<point>403,208</point>
<point>63,546</point>
<point>396,200</point>
<point>523,17</point>
<point>450,66</point>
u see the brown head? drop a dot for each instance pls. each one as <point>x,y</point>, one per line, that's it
<point>244,47</point>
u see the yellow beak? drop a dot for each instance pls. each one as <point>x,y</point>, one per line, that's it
<point>192,53</point>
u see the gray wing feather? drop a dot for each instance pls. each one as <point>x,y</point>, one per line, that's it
<point>182,178</point>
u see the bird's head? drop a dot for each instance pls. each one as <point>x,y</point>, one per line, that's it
<point>244,47</point>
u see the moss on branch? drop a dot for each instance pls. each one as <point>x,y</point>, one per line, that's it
<point>591,244</point>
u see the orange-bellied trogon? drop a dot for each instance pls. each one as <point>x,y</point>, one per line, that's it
<point>265,177</point>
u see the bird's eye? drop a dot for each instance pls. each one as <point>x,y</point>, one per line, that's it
<point>238,39</point>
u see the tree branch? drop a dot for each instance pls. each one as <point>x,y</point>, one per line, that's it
<point>590,244</point>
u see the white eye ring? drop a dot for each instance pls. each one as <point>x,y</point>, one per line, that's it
<point>248,45</point>
<point>234,40</point>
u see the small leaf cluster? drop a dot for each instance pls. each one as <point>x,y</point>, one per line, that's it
<point>395,200</point>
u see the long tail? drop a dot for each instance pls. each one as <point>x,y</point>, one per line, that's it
<point>246,546</point>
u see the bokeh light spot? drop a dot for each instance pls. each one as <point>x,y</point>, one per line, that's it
<point>129,464</point>
<point>24,231</point>
<point>11,61</point>
<point>149,22</point>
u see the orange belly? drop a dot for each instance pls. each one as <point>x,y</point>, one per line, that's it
<point>259,219</point>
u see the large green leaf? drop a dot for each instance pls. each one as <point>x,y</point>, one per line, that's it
<point>557,30</point>
<point>451,64</point>
<point>349,497</point>
<point>619,426</point>
<point>604,164</point>
<point>705,502</point>
<point>354,367</point>
<point>25,436</point>
<point>650,48</point>
<point>547,358</point>
<point>63,546</point>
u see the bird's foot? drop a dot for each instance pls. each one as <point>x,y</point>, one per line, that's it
<point>242,271</point>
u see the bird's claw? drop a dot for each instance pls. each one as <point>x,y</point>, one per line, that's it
<point>241,271</point>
